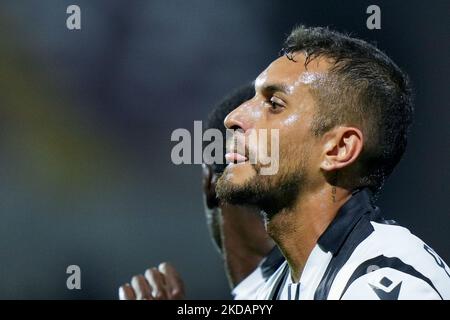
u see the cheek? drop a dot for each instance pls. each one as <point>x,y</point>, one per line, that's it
<point>291,120</point>
<point>294,142</point>
<point>292,131</point>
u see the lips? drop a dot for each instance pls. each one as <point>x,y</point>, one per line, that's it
<point>233,157</point>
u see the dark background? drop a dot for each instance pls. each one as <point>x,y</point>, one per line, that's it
<point>86,118</point>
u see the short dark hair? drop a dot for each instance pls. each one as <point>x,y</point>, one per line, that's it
<point>363,87</point>
<point>222,109</point>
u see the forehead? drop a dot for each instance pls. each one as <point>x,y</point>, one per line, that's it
<point>292,73</point>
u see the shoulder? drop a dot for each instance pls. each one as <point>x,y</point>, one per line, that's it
<point>247,288</point>
<point>262,278</point>
<point>389,278</point>
<point>392,263</point>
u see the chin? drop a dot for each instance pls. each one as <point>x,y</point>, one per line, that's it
<point>239,173</point>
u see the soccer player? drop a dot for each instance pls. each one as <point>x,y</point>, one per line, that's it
<point>250,255</point>
<point>343,109</point>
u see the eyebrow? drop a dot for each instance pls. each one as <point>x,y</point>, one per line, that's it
<point>274,87</point>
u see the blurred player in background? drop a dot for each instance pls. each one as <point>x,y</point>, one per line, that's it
<point>249,254</point>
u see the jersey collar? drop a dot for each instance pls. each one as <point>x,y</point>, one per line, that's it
<point>347,217</point>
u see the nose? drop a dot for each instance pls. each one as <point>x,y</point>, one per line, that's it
<point>239,118</point>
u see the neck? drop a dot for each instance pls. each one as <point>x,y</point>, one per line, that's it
<point>297,230</point>
<point>245,241</point>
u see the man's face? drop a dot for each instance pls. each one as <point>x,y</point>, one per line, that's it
<point>282,101</point>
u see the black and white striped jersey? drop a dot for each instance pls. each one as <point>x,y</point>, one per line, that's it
<point>363,256</point>
<point>247,288</point>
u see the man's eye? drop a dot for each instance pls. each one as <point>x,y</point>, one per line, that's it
<point>274,105</point>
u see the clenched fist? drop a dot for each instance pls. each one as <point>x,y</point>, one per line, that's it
<point>162,283</point>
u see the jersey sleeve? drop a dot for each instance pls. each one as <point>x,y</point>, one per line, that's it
<point>247,288</point>
<point>390,284</point>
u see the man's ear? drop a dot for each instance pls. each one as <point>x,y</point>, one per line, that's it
<point>342,146</point>
<point>209,179</point>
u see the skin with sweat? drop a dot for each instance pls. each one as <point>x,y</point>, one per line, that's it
<point>284,101</point>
